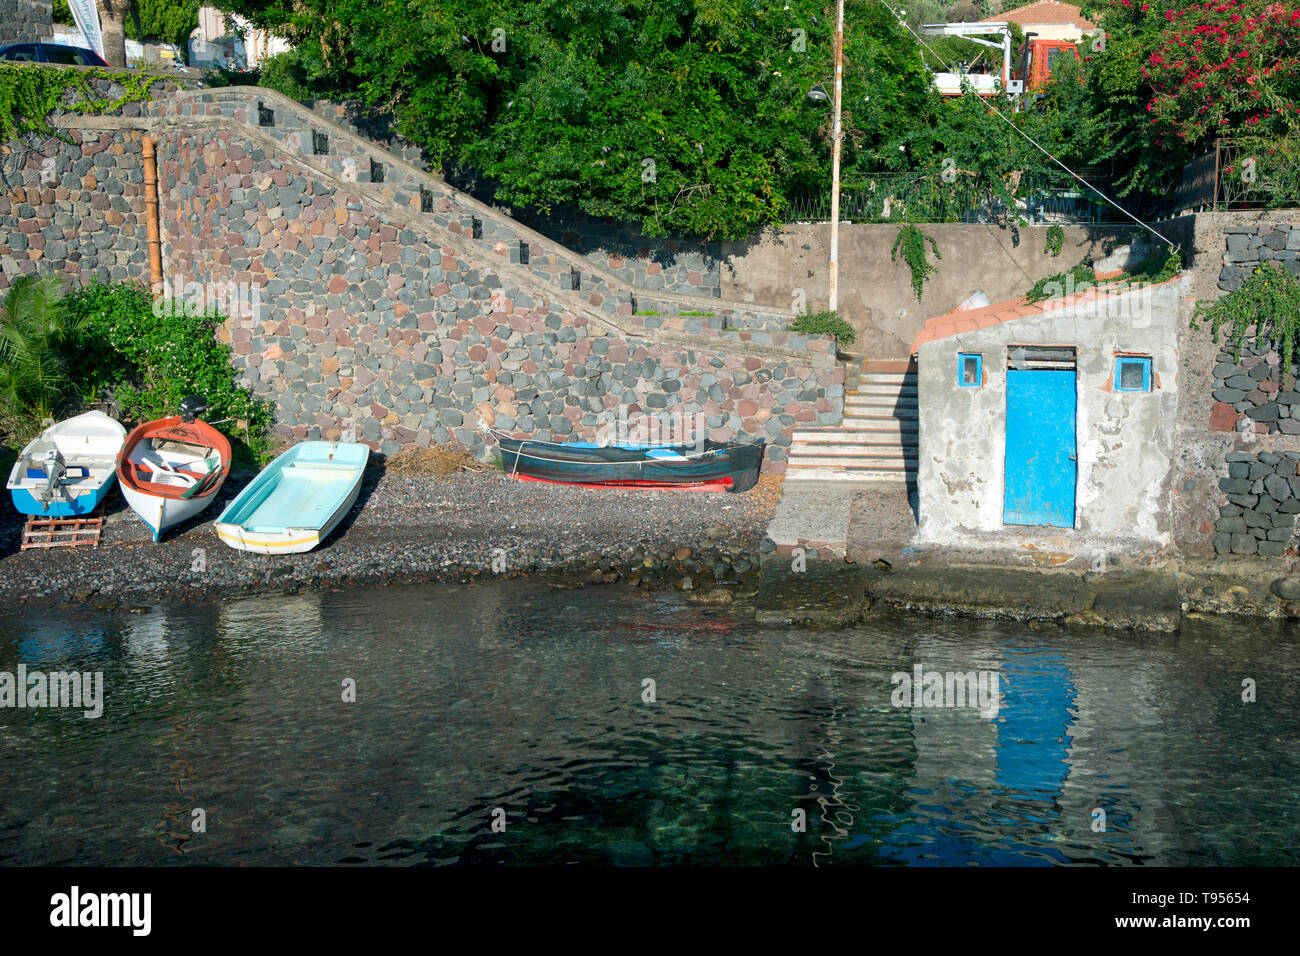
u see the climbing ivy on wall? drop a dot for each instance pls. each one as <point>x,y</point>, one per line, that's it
<point>30,93</point>
<point>911,241</point>
<point>1268,302</point>
<point>1055,240</point>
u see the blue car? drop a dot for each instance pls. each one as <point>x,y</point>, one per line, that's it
<point>51,53</point>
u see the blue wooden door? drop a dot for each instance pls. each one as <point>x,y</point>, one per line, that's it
<point>1041,460</point>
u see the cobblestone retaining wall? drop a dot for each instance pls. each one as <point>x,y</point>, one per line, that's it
<point>417,335</point>
<point>1250,246</point>
<point>76,208</point>
<point>1263,491</point>
<point>691,267</point>
<point>75,204</point>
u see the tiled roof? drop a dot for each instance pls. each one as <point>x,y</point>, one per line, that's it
<point>1044,11</point>
<point>968,320</point>
<point>951,323</point>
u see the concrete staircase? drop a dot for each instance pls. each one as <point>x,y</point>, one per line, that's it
<point>876,442</point>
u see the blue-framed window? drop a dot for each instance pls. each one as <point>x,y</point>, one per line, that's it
<point>970,369</point>
<point>1132,373</point>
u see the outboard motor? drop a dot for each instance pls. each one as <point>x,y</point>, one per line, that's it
<point>55,471</point>
<point>193,407</point>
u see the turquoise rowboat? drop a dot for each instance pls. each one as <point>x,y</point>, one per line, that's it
<point>296,500</point>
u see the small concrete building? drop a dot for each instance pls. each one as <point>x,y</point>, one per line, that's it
<point>1052,416</point>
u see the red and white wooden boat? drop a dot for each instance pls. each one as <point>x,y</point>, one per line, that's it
<point>172,468</point>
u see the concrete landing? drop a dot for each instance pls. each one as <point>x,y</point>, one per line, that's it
<point>814,516</point>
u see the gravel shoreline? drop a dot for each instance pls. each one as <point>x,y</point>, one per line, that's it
<point>411,529</point>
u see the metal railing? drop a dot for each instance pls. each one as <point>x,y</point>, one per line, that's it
<point>909,197</point>
<point>1241,174</point>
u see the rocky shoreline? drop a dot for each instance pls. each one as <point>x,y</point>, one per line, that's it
<point>1154,596</point>
<point>478,526</point>
<point>414,529</point>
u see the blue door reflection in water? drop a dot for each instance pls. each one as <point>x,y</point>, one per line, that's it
<point>1031,754</point>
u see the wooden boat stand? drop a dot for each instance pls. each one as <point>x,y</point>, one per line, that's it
<point>63,532</point>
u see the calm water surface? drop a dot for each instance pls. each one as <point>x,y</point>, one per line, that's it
<point>529,700</point>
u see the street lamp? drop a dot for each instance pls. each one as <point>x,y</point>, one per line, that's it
<point>818,94</point>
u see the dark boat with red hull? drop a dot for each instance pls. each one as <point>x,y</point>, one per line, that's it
<point>731,465</point>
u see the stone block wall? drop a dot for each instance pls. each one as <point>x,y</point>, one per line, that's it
<point>667,264</point>
<point>25,21</point>
<point>692,267</point>
<point>76,208</point>
<point>358,160</point>
<point>1263,492</point>
<point>1250,246</point>
<point>74,204</point>
<point>1248,392</point>
<point>415,338</point>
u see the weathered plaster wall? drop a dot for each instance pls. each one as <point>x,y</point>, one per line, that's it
<point>25,21</point>
<point>1126,444</point>
<point>875,292</point>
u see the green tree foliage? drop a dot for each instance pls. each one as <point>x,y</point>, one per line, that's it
<point>691,116</point>
<point>170,21</point>
<point>565,101</point>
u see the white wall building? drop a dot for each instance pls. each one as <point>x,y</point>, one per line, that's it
<point>225,40</point>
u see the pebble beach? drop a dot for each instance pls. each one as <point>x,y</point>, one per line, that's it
<point>409,528</point>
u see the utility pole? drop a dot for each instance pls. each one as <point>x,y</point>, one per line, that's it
<point>836,137</point>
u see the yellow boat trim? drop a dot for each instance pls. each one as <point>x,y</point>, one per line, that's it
<point>236,539</point>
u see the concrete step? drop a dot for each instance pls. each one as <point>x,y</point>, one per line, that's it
<point>888,365</point>
<point>856,423</point>
<point>882,397</point>
<point>887,381</point>
<point>897,408</point>
<point>883,390</point>
<point>868,453</point>
<point>848,475</point>
<point>854,461</point>
<point>849,436</point>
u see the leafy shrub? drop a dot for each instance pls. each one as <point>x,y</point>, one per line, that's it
<point>288,73</point>
<point>150,363</point>
<point>227,76</point>
<point>1070,279</point>
<point>824,323</point>
<point>1159,266</point>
